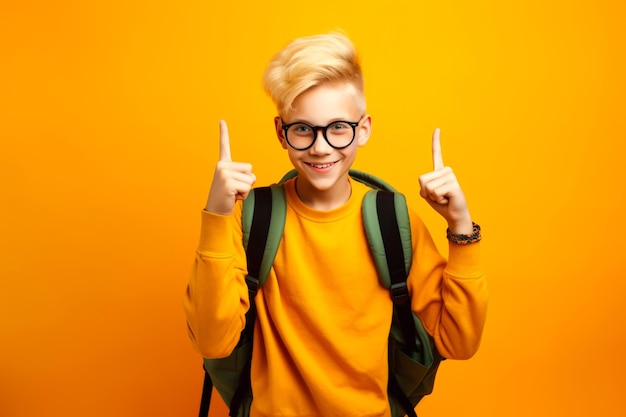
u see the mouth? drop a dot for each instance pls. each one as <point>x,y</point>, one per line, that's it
<point>321,166</point>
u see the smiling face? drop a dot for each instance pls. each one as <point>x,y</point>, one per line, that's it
<point>323,170</point>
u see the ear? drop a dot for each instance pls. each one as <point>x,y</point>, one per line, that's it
<point>280,133</point>
<point>364,130</point>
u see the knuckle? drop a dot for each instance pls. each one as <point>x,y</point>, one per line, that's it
<point>221,166</point>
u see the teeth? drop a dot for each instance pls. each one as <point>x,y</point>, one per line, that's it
<point>320,166</point>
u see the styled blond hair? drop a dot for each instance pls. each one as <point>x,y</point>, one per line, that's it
<point>310,61</point>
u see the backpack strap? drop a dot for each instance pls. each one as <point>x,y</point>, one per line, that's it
<point>371,180</point>
<point>388,231</point>
<point>386,220</point>
<point>205,399</point>
<point>263,222</point>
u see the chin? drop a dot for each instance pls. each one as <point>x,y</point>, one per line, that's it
<point>323,184</point>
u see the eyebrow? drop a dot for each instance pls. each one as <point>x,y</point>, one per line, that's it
<point>336,119</point>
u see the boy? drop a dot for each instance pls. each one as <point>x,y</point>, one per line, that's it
<point>323,318</point>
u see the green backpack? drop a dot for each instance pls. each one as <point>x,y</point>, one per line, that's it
<point>413,357</point>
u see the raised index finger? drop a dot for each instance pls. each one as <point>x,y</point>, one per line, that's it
<point>437,157</point>
<point>224,142</point>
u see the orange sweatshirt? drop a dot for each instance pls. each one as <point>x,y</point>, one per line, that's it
<point>320,342</point>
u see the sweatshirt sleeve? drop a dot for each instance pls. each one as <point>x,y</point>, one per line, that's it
<point>449,297</point>
<point>216,299</point>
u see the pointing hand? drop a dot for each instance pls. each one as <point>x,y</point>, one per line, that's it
<point>442,191</point>
<point>232,181</point>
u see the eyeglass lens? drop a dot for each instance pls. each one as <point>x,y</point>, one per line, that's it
<point>302,135</point>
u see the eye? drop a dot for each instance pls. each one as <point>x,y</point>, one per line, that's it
<point>301,128</point>
<point>338,127</point>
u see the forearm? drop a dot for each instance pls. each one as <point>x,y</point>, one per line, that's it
<point>464,302</point>
<point>216,299</point>
<point>449,297</point>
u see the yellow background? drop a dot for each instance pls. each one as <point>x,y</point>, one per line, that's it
<point>109,133</point>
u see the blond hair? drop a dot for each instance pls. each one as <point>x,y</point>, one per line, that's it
<point>309,62</point>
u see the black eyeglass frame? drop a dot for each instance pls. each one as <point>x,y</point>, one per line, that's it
<point>323,129</point>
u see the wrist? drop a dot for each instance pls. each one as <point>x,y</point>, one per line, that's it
<point>465,238</point>
<point>464,226</point>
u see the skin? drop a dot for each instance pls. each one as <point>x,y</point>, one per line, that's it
<point>232,181</point>
<point>322,180</point>
<point>440,188</point>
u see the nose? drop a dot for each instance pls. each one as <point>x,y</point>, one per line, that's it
<point>320,145</point>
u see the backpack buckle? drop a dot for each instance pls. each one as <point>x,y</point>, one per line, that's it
<point>399,293</point>
<point>253,285</point>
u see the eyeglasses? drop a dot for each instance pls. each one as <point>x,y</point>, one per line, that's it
<point>339,134</point>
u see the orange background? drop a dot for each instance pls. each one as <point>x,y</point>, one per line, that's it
<point>109,133</point>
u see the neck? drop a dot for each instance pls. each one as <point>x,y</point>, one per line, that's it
<point>324,200</point>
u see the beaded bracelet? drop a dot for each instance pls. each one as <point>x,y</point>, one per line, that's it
<point>461,239</point>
